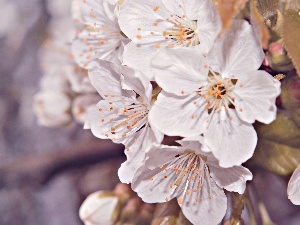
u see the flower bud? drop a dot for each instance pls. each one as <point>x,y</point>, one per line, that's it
<point>278,59</point>
<point>100,208</point>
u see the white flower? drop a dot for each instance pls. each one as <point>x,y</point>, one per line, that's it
<point>220,95</point>
<point>101,38</point>
<point>193,177</point>
<point>52,108</point>
<point>123,114</point>
<point>160,23</point>
<point>293,189</point>
<point>82,104</point>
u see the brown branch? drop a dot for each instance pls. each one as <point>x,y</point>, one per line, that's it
<point>36,170</point>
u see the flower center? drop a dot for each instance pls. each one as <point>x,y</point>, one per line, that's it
<point>182,33</point>
<point>218,92</point>
<point>190,171</point>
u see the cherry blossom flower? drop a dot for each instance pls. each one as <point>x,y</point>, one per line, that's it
<point>293,189</point>
<point>122,115</point>
<point>101,38</point>
<point>192,176</point>
<point>220,95</point>
<point>155,24</point>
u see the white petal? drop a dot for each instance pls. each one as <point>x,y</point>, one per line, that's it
<point>166,154</point>
<point>174,115</point>
<point>232,141</point>
<point>255,94</point>
<point>153,187</point>
<point>293,189</point>
<point>208,25</point>
<point>199,208</point>
<point>189,8</point>
<point>138,16</point>
<point>91,48</point>
<point>138,82</point>
<point>136,147</point>
<point>109,120</point>
<point>236,51</point>
<point>106,79</point>
<point>232,179</point>
<point>186,68</point>
<point>139,56</point>
<point>101,36</point>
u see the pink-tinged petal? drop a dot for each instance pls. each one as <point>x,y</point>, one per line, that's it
<point>231,140</point>
<point>232,179</point>
<point>138,82</point>
<point>236,51</point>
<point>204,206</point>
<point>255,94</point>
<point>186,68</point>
<point>139,56</point>
<point>138,16</point>
<point>106,79</point>
<point>208,25</point>
<point>293,189</point>
<point>179,116</point>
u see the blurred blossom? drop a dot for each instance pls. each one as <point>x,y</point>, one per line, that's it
<point>82,104</point>
<point>52,108</point>
<point>59,8</point>
<point>9,12</point>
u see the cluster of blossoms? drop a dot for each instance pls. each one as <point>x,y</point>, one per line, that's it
<point>163,68</point>
<point>66,93</point>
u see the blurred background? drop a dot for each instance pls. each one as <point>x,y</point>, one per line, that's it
<point>46,173</point>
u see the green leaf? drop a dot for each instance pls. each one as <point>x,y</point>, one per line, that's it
<point>278,147</point>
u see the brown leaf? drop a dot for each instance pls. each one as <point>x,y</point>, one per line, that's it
<point>166,213</point>
<point>237,206</point>
<point>267,8</point>
<point>228,9</point>
<point>278,147</point>
<point>182,220</point>
<point>258,24</point>
<point>291,36</point>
